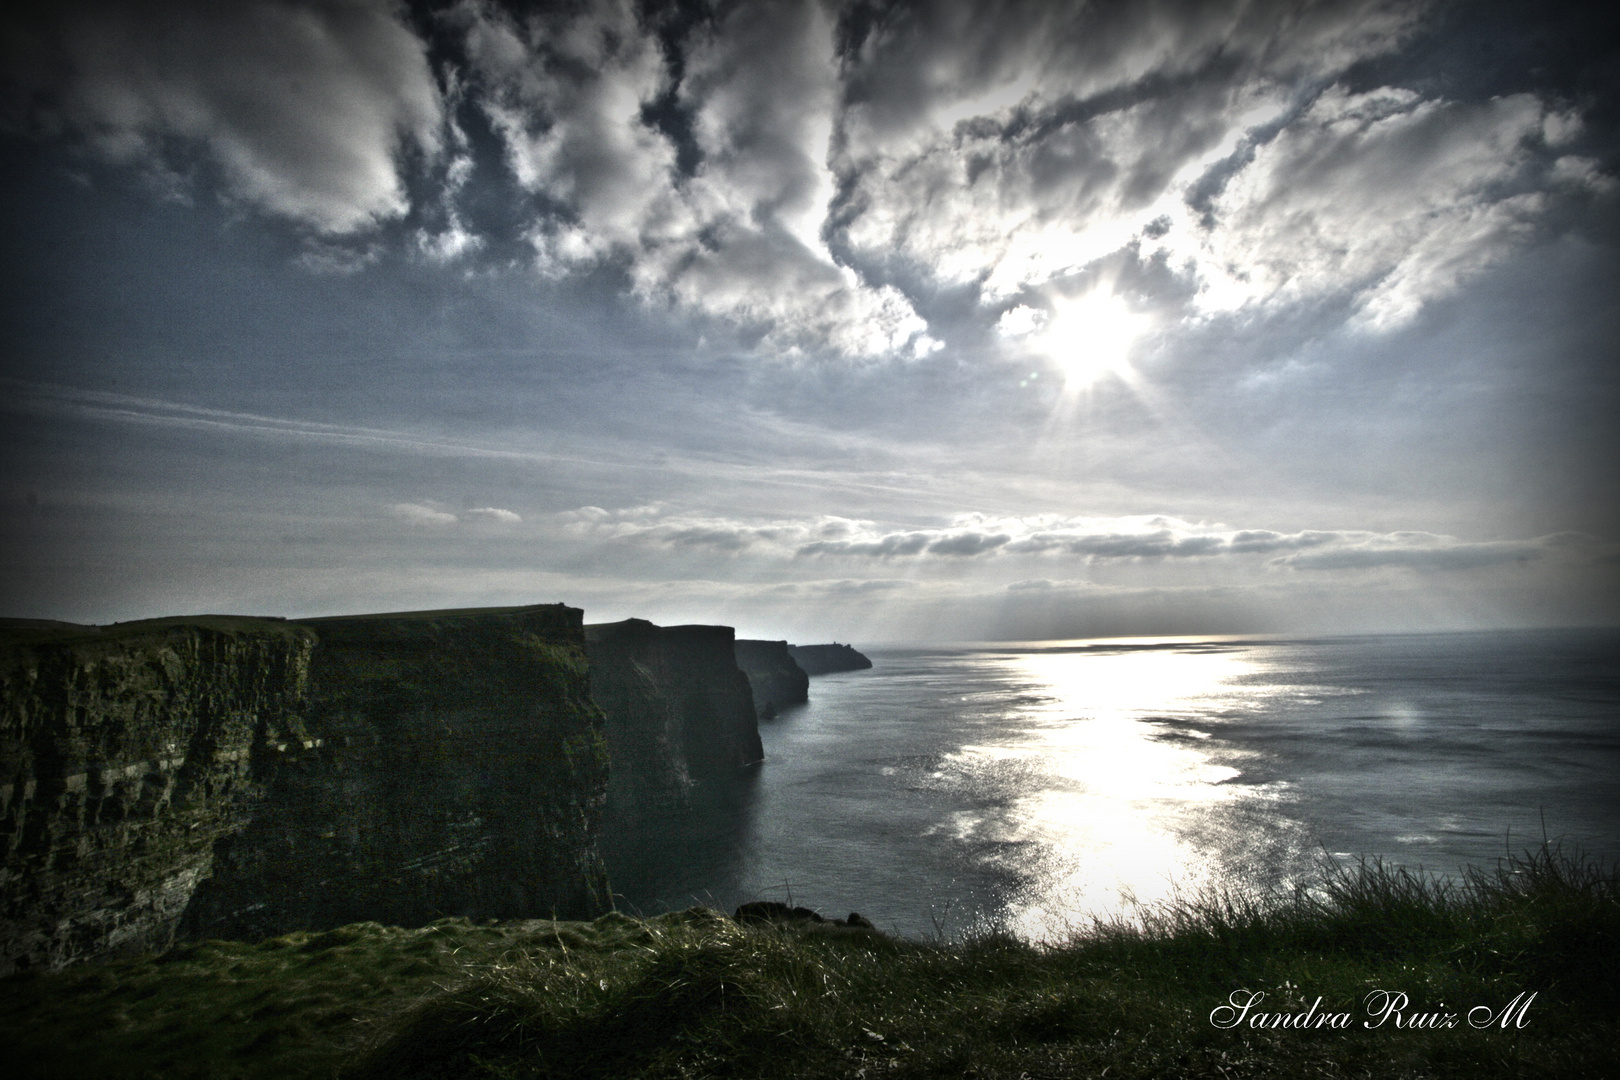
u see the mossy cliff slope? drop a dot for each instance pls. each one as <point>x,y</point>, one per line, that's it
<point>460,770</point>
<point>775,679</point>
<point>243,777</point>
<point>126,755</point>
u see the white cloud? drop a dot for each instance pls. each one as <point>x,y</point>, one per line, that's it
<point>983,145</point>
<point>738,240</point>
<point>1385,195</point>
<point>492,514</point>
<point>817,201</point>
<point>417,514</point>
<point>1005,148</point>
<point>304,106</point>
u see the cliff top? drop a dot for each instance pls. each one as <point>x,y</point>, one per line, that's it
<point>451,613</point>
<point>43,631</point>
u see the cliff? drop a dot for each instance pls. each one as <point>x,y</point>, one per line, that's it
<point>773,677</point>
<point>680,713</point>
<point>233,777</point>
<point>126,756</point>
<point>826,659</point>
<point>681,733</point>
<point>459,769</point>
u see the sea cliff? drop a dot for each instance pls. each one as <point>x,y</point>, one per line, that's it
<point>680,714</point>
<point>774,678</point>
<point>236,777</point>
<point>826,659</point>
<point>682,738</point>
<point>126,755</point>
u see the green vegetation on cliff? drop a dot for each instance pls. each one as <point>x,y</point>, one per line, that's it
<point>225,776</point>
<point>695,994</point>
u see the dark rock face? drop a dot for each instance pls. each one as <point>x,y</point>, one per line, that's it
<point>459,769</point>
<point>773,677</point>
<point>680,713</point>
<point>126,756</point>
<point>826,659</point>
<point>681,735</point>
<point>242,777</point>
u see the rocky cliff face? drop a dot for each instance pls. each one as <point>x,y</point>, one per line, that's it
<point>680,713</point>
<point>459,770</point>
<point>240,777</point>
<point>126,756</point>
<point>773,677</point>
<point>826,659</point>
<point>681,735</point>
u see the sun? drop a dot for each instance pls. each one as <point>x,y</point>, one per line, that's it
<point>1090,337</point>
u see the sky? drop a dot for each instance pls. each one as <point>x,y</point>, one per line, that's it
<point>870,322</point>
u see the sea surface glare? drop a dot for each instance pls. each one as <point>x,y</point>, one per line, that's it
<point>1032,786</point>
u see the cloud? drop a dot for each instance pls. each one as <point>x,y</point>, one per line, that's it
<point>738,237</point>
<point>840,588</point>
<point>1012,144</point>
<point>417,514</point>
<point>1415,551</point>
<point>1090,540</point>
<point>815,182</point>
<point>493,515</point>
<point>1385,195</point>
<point>305,107</point>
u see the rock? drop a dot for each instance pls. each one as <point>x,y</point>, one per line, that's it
<point>826,659</point>
<point>126,757</point>
<point>460,769</point>
<point>772,911</point>
<point>774,678</point>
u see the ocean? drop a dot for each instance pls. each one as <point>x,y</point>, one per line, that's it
<point>1033,787</point>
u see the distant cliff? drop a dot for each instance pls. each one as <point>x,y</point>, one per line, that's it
<point>237,777</point>
<point>826,659</point>
<point>773,676</point>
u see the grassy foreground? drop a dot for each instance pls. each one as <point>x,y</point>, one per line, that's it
<point>695,994</point>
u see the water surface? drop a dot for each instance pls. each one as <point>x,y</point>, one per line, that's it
<point>1032,786</point>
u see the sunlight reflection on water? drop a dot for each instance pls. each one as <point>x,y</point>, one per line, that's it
<point>1119,808</point>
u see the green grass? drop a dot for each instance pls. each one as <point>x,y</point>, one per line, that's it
<point>694,994</point>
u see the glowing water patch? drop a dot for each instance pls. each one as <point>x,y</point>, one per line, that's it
<point>1122,808</point>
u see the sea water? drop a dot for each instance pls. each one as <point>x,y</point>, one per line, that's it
<point>1035,786</point>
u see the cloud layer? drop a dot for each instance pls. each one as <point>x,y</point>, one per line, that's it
<point>1082,539</point>
<point>816,178</point>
